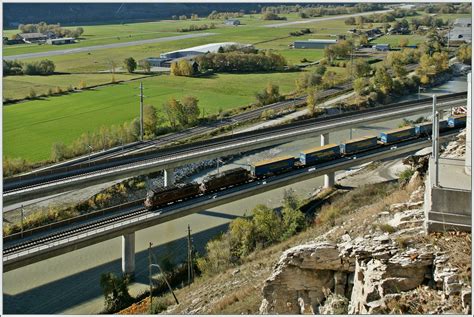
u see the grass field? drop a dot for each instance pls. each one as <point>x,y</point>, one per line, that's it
<point>17,87</point>
<point>394,40</point>
<point>30,128</point>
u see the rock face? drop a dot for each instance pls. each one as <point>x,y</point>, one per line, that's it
<point>361,275</point>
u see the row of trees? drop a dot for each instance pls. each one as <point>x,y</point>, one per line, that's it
<point>316,10</point>
<point>244,235</point>
<point>447,8</point>
<point>214,15</point>
<point>272,16</point>
<point>194,27</point>
<point>182,68</point>
<point>241,62</point>
<point>43,27</point>
<point>44,67</point>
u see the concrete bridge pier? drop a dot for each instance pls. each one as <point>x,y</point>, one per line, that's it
<point>168,175</point>
<point>128,254</point>
<point>328,178</point>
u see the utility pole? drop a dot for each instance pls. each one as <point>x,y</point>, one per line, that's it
<point>190,260</point>
<point>141,111</point>
<point>22,211</point>
<point>149,275</point>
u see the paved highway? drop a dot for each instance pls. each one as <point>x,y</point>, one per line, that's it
<point>49,182</point>
<point>45,245</point>
<point>104,46</point>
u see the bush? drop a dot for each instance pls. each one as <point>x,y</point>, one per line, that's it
<point>405,176</point>
<point>44,67</point>
<point>115,291</point>
<point>218,256</point>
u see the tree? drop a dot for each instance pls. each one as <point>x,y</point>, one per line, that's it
<point>115,291</point>
<point>399,71</point>
<point>464,54</point>
<point>403,42</point>
<point>267,225</point>
<point>242,236</point>
<point>150,120</point>
<point>359,85</point>
<point>145,65</point>
<point>191,109</point>
<point>363,40</point>
<point>170,108</point>
<point>130,64</point>
<point>185,68</point>
<point>382,81</point>
<point>361,68</point>
<point>270,94</point>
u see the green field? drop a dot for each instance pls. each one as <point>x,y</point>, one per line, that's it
<point>394,40</point>
<point>17,87</point>
<point>30,128</point>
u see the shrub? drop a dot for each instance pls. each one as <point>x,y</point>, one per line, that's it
<point>115,291</point>
<point>218,256</point>
<point>405,176</point>
<point>385,227</point>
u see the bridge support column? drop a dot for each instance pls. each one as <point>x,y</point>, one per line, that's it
<point>328,178</point>
<point>128,254</point>
<point>168,177</point>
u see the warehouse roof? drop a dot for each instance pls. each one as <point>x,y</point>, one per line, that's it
<point>321,41</point>
<point>212,47</point>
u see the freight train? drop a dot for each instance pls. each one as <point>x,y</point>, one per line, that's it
<point>160,197</point>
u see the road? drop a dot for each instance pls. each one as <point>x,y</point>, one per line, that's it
<point>105,46</point>
<point>277,25</point>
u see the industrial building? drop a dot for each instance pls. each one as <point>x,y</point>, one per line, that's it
<point>233,22</point>
<point>61,41</point>
<point>381,47</point>
<point>166,59</point>
<point>316,43</point>
<point>33,37</point>
<point>461,32</point>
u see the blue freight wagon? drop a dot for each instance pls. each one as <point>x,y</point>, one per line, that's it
<point>457,121</point>
<point>397,135</point>
<point>273,166</point>
<point>424,129</point>
<point>360,144</point>
<point>320,154</point>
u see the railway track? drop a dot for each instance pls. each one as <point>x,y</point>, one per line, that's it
<point>48,178</point>
<point>139,210</point>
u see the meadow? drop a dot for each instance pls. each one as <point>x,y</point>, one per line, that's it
<point>30,128</point>
<point>394,40</point>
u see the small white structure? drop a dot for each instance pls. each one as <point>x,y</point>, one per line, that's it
<point>381,47</point>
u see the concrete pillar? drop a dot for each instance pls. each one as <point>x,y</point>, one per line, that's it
<point>128,254</point>
<point>328,178</point>
<point>468,163</point>
<point>168,177</point>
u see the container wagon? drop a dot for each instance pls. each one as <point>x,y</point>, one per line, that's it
<point>359,144</point>
<point>230,177</point>
<point>273,166</point>
<point>163,196</point>
<point>457,121</point>
<point>397,135</point>
<point>320,154</point>
<point>424,129</point>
